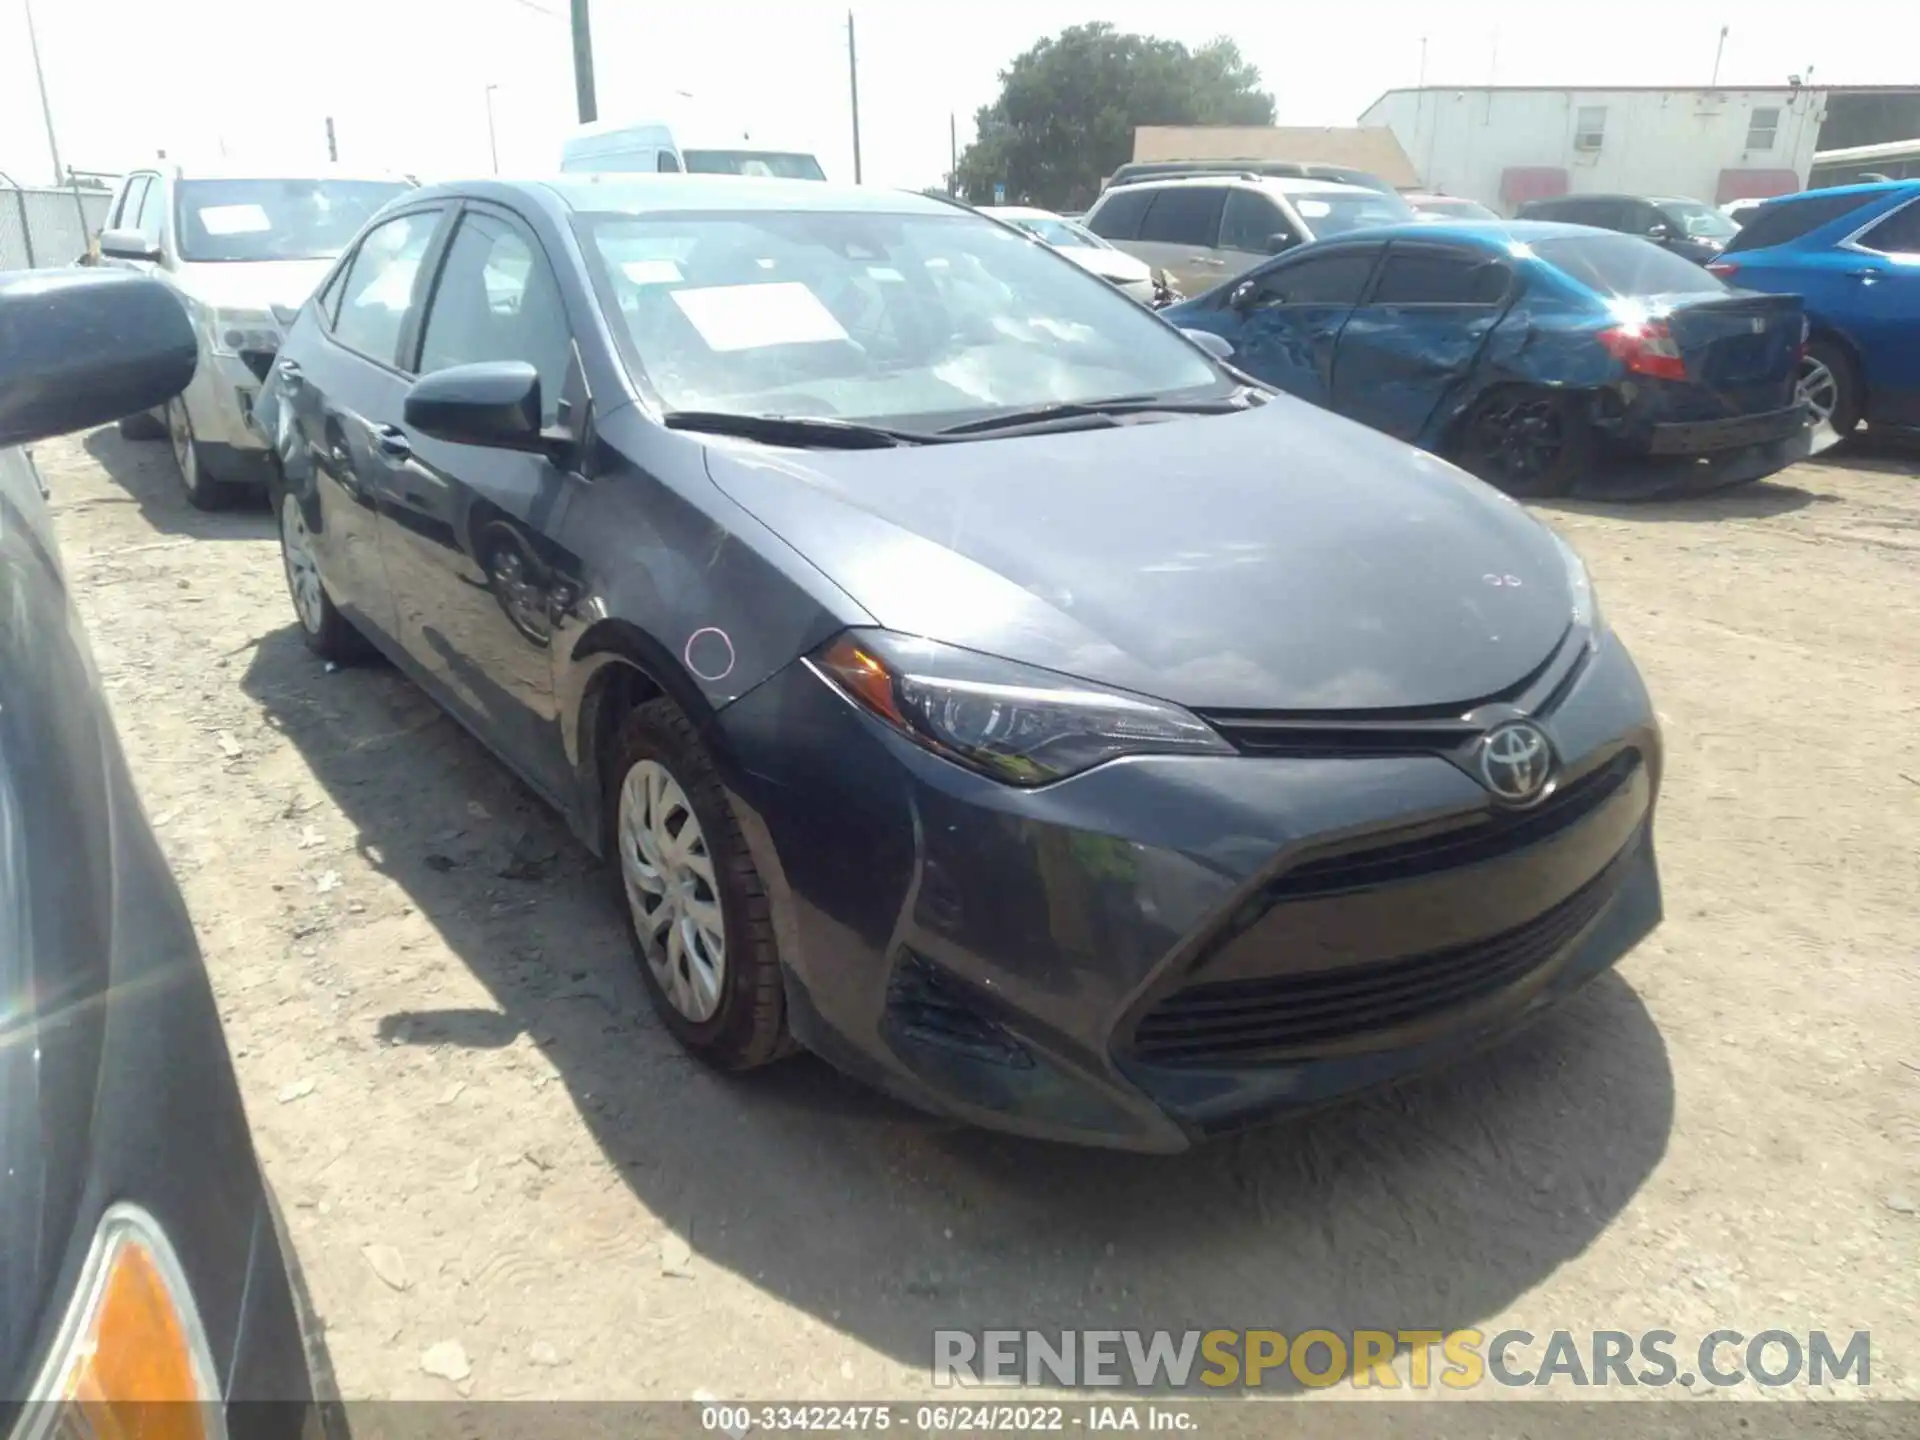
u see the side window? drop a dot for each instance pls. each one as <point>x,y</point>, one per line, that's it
<point>1784,220</point>
<point>1323,280</point>
<point>329,301</point>
<point>668,163</point>
<point>153,208</point>
<point>1763,127</point>
<point>1642,217</point>
<point>1185,215</point>
<point>497,299</point>
<point>127,212</point>
<point>1898,234</point>
<point>378,288</point>
<point>1118,215</point>
<point>1437,277</point>
<point>1249,220</point>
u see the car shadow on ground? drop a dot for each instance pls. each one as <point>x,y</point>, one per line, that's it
<point>1881,452</point>
<point>145,470</point>
<point>1432,1205</point>
<point>1761,500</point>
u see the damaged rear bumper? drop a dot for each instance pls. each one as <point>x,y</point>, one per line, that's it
<point>1700,457</point>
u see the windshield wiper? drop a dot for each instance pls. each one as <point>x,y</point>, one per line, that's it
<point>800,431</point>
<point>1242,399</point>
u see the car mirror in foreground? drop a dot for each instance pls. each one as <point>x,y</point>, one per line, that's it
<point>1217,346</point>
<point>127,245</point>
<point>81,347</point>
<point>496,404</point>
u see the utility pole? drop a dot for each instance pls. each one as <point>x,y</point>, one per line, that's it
<point>493,145</point>
<point>853,84</point>
<point>583,63</point>
<point>46,106</point>
<point>953,154</point>
<point>1718,51</point>
<point>333,146</point>
<point>1421,84</point>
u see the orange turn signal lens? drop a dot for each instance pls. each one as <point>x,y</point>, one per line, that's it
<point>864,676</point>
<point>131,1361</point>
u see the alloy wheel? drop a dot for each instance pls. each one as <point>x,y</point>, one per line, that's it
<point>668,872</point>
<point>185,455</point>
<point>1818,388</point>
<point>1523,440</point>
<point>303,572</point>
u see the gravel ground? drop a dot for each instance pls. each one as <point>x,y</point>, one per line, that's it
<point>502,1179</point>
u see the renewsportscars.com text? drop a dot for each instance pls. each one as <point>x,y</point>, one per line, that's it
<point>1453,1359</point>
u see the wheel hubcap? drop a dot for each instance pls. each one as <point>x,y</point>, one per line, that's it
<point>1818,389</point>
<point>180,432</point>
<point>303,574</point>
<point>668,871</point>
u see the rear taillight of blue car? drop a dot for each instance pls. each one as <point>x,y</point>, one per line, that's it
<point>1646,348</point>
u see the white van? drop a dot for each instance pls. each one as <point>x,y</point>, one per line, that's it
<point>624,147</point>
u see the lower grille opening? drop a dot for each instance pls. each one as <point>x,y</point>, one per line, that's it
<point>1283,1017</point>
<point>927,1005</point>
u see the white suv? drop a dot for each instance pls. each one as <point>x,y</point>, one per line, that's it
<point>232,246</point>
<point>1206,229</point>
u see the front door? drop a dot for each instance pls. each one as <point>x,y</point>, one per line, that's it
<point>466,529</point>
<point>1180,234</point>
<point>1291,317</point>
<point>1415,341</point>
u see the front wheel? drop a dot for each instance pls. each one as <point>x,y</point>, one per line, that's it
<point>1530,443</point>
<point>203,492</point>
<point>1828,387</point>
<point>328,633</point>
<point>696,909</point>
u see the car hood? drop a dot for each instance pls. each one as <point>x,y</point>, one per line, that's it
<point>1108,264</point>
<point>252,284</point>
<point>1280,559</point>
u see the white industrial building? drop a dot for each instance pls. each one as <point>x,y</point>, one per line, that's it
<point>1504,145</point>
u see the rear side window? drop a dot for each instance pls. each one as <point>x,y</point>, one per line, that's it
<point>1898,234</point>
<point>127,212</point>
<point>1118,215</point>
<point>668,163</point>
<point>379,287</point>
<point>1626,265</point>
<point>1433,277</point>
<point>1184,215</point>
<point>1782,220</point>
<point>1323,280</point>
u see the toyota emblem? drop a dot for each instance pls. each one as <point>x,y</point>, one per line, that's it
<point>1516,762</point>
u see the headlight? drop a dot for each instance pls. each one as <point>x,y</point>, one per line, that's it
<point>1014,723</point>
<point>131,1347</point>
<point>229,332</point>
<point>1586,604</point>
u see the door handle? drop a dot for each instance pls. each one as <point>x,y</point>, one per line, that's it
<point>391,442</point>
<point>1864,274</point>
<point>289,374</point>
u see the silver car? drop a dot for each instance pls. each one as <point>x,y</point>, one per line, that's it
<point>232,246</point>
<point>1205,229</point>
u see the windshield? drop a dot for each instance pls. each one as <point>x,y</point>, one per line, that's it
<point>1061,234</point>
<point>222,220</point>
<point>918,320</point>
<point>1626,265</point>
<point>1335,212</point>
<point>1690,217</point>
<point>773,164</point>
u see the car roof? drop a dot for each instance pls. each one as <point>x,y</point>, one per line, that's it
<point>1868,187</point>
<point>631,194</point>
<point>1226,175</point>
<point>1501,235</point>
<point>173,170</point>
<point>1017,212</point>
<point>1413,197</point>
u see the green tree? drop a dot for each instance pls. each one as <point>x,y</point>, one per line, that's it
<point>1068,107</point>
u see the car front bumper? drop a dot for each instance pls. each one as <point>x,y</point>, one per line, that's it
<point>1165,948</point>
<point>220,401</point>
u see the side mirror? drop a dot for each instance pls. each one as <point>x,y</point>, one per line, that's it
<point>1243,295</point>
<point>1660,232</point>
<point>81,347</point>
<point>1278,243</point>
<point>1218,346</point>
<point>128,245</point>
<point>495,403</point>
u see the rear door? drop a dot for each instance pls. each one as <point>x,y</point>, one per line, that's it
<point>1881,275</point>
<point>1290,315</point>
<point>1180,233</point>
<point>343,390</point>
<point>1416,339</point>
<point>466,529</point>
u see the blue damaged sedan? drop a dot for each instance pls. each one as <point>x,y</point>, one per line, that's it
<point>1547,359</point>
<point>966,675</point>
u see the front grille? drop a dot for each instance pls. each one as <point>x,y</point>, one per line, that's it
<point>1283,1017</point>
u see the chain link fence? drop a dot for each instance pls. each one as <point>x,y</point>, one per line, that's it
<point>41,228</point>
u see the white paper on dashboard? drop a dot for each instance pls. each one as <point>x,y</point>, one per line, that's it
<point>753,317</point>
<point>234,220</point>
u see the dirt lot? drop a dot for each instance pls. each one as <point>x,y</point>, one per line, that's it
<point>482,1139</point>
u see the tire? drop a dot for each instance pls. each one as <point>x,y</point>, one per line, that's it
<point>1830,382</point>
<point>1533,444</point>
<point>328,633</point>
<point>142,427</point>
<point>203,492</point>
<point>660,780</point>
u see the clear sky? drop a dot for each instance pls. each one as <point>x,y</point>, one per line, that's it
<point>405,80</point>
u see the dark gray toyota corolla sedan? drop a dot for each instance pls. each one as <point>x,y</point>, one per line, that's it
<point>970,678</point>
